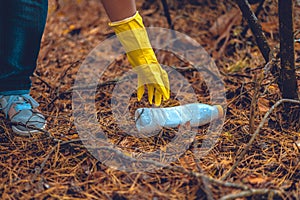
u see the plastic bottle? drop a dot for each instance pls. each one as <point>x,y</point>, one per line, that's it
<point>197,114</point>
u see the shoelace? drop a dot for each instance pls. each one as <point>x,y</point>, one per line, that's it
<point>23,102</point>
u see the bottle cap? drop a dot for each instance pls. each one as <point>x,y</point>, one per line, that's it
<point>221,111</point>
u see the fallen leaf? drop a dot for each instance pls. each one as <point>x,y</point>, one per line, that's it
<point>263,105</point>
<point>257,180</point>
<point>269,27</point>
<point>229,19</point>
<point>222,28</point>
<point>298,143</point>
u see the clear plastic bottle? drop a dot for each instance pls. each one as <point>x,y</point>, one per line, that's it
<point>197,114</point>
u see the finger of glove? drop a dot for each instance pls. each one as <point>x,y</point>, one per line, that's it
<point>163,91</point>
<point>155,76</point>
<point>161,81</point>
<point>140,90</point>
<point>161,84</point>
<point>140,93</point>
<point>158,97</point>
<point>150,93</point>
<point>165,80</point>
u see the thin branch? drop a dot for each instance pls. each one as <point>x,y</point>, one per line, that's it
<point>43,81</point>
<point>167,14</point>
<point>255,28</point>
<point>241,156</point>
<point>253,106</point>
<point>258,9</point>
<point>248,193</point>
<point>87,87</point>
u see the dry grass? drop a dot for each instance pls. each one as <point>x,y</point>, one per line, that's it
<point>56,165</point>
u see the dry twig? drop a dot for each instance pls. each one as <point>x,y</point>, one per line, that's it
<point>248,193</point>
<point>241,156</point>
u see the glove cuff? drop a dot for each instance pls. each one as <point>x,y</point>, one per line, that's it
<point>123,21</point>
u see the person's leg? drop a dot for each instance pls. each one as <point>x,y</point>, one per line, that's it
<point>119,9</point>
<point>22,24</point>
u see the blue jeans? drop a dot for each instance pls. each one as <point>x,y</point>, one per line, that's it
<point>22,24</point>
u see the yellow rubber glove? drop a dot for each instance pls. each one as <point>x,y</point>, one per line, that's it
<point>134,38</point>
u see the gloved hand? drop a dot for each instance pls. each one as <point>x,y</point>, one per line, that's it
<point>156,80</point>
<point>134,38</point>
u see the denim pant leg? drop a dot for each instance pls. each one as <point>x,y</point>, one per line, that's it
<point>22,24</point>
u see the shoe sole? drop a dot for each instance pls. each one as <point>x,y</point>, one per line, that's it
<point>26,133</point>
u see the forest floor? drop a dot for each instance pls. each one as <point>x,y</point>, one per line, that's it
<point>57,165</point>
